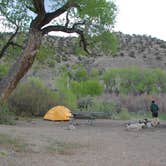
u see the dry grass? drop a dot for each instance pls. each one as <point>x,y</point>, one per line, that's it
<point>63,148</point>
<point>105,143</point>
<point>9,143</point>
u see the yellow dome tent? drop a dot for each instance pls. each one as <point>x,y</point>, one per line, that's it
<point>58,113</point>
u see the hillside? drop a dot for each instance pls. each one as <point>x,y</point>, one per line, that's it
<point>142,51</point>
<point>136,50</point>
<point>133,50</point>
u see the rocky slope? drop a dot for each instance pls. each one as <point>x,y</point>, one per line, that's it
<point>133,50</point>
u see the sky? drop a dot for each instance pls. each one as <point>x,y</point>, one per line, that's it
<point>141,17</point>
<point>144,17</point>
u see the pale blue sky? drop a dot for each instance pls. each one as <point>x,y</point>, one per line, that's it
<point>142,17</point>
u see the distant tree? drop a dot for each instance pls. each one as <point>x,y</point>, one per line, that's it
<point>9,43</point>
<point>13,20</point>
<point>87,18</point>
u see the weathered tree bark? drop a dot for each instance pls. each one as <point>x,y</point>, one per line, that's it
<point>20,68</point>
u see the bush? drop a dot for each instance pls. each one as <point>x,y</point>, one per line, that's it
<point>85,103</point>
<point>33,98</point>
<point>89,87</point>
<point>124,114</point>
<point>6,117</point>
<point>136,104</point>
<point>67,96</point>
<point>81,74</point>
<point>94,73</point>
<point>135,81</point>
<point>51,63</point>
<point>103,106</point>
<point>92,87</point>
<point>45,54</point>
<point>78,73</point>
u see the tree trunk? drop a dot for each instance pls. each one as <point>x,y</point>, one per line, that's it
<point>23,64</point>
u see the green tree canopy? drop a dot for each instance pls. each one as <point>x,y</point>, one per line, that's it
<point>87,18</point>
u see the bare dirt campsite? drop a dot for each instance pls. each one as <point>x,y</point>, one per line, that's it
<point>106,143</point>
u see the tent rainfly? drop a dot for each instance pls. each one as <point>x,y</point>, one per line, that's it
<point>58,113</point>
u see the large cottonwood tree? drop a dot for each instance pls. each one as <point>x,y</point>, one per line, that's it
<point>87,18</point>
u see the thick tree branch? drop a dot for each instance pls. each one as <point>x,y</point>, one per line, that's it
<point>39,6</point>
<point>31,9</point>
<point>78,24</point>
<point>39,9</point>
<point>51,28</point>
<point>67,19</point>
<point>50,16</point>
<point>83,40</point>
<point>48,29</point>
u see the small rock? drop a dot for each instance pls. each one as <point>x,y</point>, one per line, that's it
<point>71,127</point>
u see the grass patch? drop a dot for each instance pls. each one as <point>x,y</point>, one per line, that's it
<point>162,116</point>
<point>125,115</point>
<point>63,148</point>
<point>3,153</point>
<point>15,144</point>
<point>140,115</point>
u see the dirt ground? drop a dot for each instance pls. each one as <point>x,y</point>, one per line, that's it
<point>105,143</point>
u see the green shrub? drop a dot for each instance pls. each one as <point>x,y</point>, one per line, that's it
<point>94,73</point>
<point>102,43</point>
<point>45,52</point>
<point>81,74</point>
<point>84,103</point>
<point>89,87</point>
<point>135,81</point>
<point>67,96</point>
<point>103,106</point>
<point>123,114</point>
<point>51,63</point>
<point>6,116</point>
<point>92,87</point>
<point>13,51</point>
<point>79,51</point>
<point>33,98</point>
<point>78,73</point>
